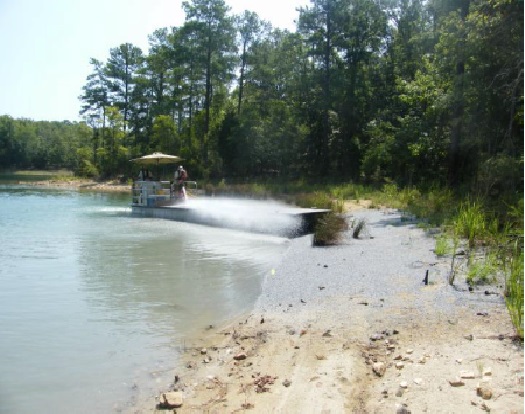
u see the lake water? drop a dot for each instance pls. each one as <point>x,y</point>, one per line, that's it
<point>95,304</point>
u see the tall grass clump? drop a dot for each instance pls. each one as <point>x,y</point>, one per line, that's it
<point>514,288</point>
<point>442,247</point>
<point>470,223</point>
<point>483,270</point>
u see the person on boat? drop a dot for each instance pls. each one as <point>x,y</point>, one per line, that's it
<point>180,176</point>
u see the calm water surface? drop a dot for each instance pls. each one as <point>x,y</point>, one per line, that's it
<point>95,304</point>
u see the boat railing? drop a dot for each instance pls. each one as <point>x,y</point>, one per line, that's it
<point>157,193</point>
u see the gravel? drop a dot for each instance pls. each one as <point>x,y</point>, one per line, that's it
<point>384,269</point>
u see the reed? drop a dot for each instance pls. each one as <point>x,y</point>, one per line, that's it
<point>514,288</point>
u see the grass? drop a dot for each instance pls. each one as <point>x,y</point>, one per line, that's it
<point>483,271</point>
<point>470,223</point>
<point>442,247</point>
<point>514,288</point>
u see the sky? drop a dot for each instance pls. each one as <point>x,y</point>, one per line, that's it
<point>46,45</point>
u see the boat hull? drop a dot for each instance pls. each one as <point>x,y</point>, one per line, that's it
<point>286,222</point>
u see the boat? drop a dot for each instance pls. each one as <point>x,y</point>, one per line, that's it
<point>168,200</point>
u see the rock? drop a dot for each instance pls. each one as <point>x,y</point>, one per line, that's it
<point>239,357</point>
<point>400,365</point>
<point>203,351</point>
<point>376,337</point>
<point>287,383</point>
<point>487,372</point>
<point>456,382</point>
<point>418,381</point>
<point>403,384</point>
<point>467,375</point>
<point>379,368</point>
<point>171,399</point>
<point>247,406</point>
<point>398,358</point>
<point>410,351</point>
<point>484,392</point>
<point>400,392</point>
<point>402,409</point>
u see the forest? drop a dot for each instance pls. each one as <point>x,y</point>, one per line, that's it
<point>418,93</point>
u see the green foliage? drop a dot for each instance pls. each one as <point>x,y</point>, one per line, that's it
<point>483,271</point>
<point>317,199</point>
<point>421,94</point>
<point>514,288</point>
<point>470,223</point>
<point>435,205</point>
<point>442,247</point>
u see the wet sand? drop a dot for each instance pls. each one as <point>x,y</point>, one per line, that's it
<point>353,328</point>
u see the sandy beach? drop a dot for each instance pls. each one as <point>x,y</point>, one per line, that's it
<point>353,328</point>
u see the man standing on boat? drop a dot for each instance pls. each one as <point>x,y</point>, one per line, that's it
<point>180,176</point>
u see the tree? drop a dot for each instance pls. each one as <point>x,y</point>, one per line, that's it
<point>123,63</point>
<point>249,26</point>
<point>216,45</point>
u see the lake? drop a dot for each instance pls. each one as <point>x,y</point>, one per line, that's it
<point>95,304</point>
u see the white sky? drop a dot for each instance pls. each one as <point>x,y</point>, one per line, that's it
<point>46,45</point>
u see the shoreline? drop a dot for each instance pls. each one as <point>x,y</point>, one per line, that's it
<point>80,185</point>
<point>352,328</point>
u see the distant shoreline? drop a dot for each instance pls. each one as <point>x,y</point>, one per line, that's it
<point>80,185</point>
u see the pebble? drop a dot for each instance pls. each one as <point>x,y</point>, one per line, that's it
<point>379,368</point>
<point>484,392</point>
<point>456,382</point>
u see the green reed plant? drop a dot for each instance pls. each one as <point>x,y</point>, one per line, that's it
<point>484,270</point>
<point>442,247</point>
<point>470,223</point>
<point>514,288</point>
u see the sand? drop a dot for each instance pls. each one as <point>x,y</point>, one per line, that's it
<point>353,328</point>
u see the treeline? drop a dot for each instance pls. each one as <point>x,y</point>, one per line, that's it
<point>424,93</point>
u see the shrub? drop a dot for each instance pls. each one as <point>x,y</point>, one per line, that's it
<point>328,229</point>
